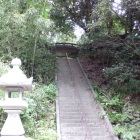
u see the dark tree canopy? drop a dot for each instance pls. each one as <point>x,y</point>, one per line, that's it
<point>68,13</point>
<point>132,12</point>
<point>72,12</point>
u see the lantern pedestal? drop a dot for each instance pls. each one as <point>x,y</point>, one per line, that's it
<point>13,138</point>
<point>13,126</point>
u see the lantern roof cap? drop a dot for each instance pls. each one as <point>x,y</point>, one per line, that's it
<point>15,77</point>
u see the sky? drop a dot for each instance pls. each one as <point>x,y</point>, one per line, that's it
<point>117,1</point>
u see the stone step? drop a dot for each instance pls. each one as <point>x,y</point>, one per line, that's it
<point>76,101</point>
<point>78,104</point>
<point>84,120</point>
<point>87,138</point>
<point>78,109</point>
<point>81,109</point>
<point>83,126</point>
<point>75,97</point>
<point>85,133</point>
<point>72,95</point>
<point>80,123</point>
<point>80,112</point>
<point>74,115</point>
<point>83,129</point>
<point>79,116</point>
<point>70,109</point>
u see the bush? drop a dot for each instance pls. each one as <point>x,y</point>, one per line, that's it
<point>43,68</point>
<point>3,69</point>
<point>121,114</point>
<point>39,118</point>
<point>122,79</point>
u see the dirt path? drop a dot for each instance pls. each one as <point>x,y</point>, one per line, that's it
<point>78,113</point>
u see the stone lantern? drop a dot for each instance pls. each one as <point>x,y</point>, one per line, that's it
<point>14,82</point>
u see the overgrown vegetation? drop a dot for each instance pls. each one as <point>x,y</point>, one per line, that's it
<point>111,38</point>
<point>124,115</point>
<point>112,34</point>
<point>116,48</point>
<point>3,69</point>
<point>39,118</point>
<point>112,41</point>
<point>25,30</point>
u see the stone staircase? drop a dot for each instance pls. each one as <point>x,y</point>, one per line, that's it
<point>78,113</point>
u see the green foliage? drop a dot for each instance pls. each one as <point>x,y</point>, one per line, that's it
<point>43,68</point>
<point>25,30</point>
<point>110,103</point>
<point>4,67</point>
<point>121,59</point>
<point>113,40</point>
<point>122,78</point>
<point>102,16</point>
<point>3,116</point>
<point>39,118</point>
<point>120,113</point>
<point>127,132</point>
<point>67,14</point>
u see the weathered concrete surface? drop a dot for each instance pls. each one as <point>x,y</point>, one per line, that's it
<point>78,113</point>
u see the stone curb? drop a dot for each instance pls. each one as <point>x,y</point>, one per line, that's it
<point>57,111</point>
